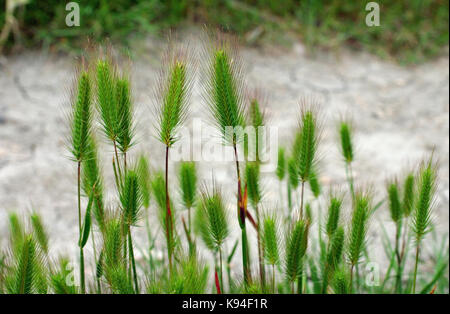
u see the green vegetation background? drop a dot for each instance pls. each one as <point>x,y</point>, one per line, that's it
<point>411,31</point>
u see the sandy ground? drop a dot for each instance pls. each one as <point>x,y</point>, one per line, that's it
<point>400,116</point>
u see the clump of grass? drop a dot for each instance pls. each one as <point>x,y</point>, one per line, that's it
<point>324,263</point>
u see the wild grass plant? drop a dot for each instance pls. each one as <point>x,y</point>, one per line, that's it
<point>298,250</point>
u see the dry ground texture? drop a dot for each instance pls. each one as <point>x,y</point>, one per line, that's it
<point>400,115</point>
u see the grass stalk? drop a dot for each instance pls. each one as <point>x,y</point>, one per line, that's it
<point>82,274</point>
<point>133,263</point>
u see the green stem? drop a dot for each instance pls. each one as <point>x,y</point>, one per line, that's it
<point>116,177</point>
<point>398,281</point>
<point>168,214</point>
<point>301,199</point>
<point>245,258</point>
<point>349,174</point>
<point>82,281</point>
<point>289,193</point>
<point>117,160</point>
<point>415,266</point>
<point>99,288</point>
<point>273,278</point>
<point>351,278</point>
<point>221,270</point>
<point>133,263</point>
<point>300,279</point>
<point>262,272</point>
<point>241,217</point>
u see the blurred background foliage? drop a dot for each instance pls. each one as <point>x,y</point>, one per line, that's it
<point>411,31</point>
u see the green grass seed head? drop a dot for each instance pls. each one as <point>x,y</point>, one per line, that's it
<point>252,177</point>
<point>293,173</point>
<point>256,118</point>
<point>188,183</point>
<point>281,164</point>
<point>174,94</point>
<point>308,140</point>
<point>131,198</point>
<point>296,244</point>
<point>106,100</point>
<point>359,226</point>
<point>143,172</point>
<point>408,194</point>
<point>425,191</point>
<point>271,238</point>
<point>24,276</point>
<point>81,118</point>
<point>211,219</point>
<point>124,104</point>
<point>395,206</point>
<point>223,89</point>
<point>314,183</point>
<point>334,255</point>
<point>16,230</point>
<point>345,134</point>
<point>39,231</point>
<point>333,216</point>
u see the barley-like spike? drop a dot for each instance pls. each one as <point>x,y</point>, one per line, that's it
<point>425,191</point>
<point>271,238</point>
<point>314,183</point>
<point>23,278</point>
<point>40,232</point>
<point>293,173</point>
<point>212,219</point>
<point>256,118</point>
<point>174,95</point>
<point>253,183</point>
<point>333,216</point>
<point>223,89</point>
<point>106,100</point>
<point>345,133</point>
<point>16,231</point>
<point>395,206</point>
<point>295,250</point>
<point>358,227</point>
<point>143,172</point>
<point>281,164</point>
<point>188,183</point>
<point>124,104</point>
<point>131,198</point>
<point>408,195</point>
<point>81,118</point>
<point>308,142</point>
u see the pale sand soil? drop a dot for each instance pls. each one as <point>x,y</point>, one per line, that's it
<point>400,116</point>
